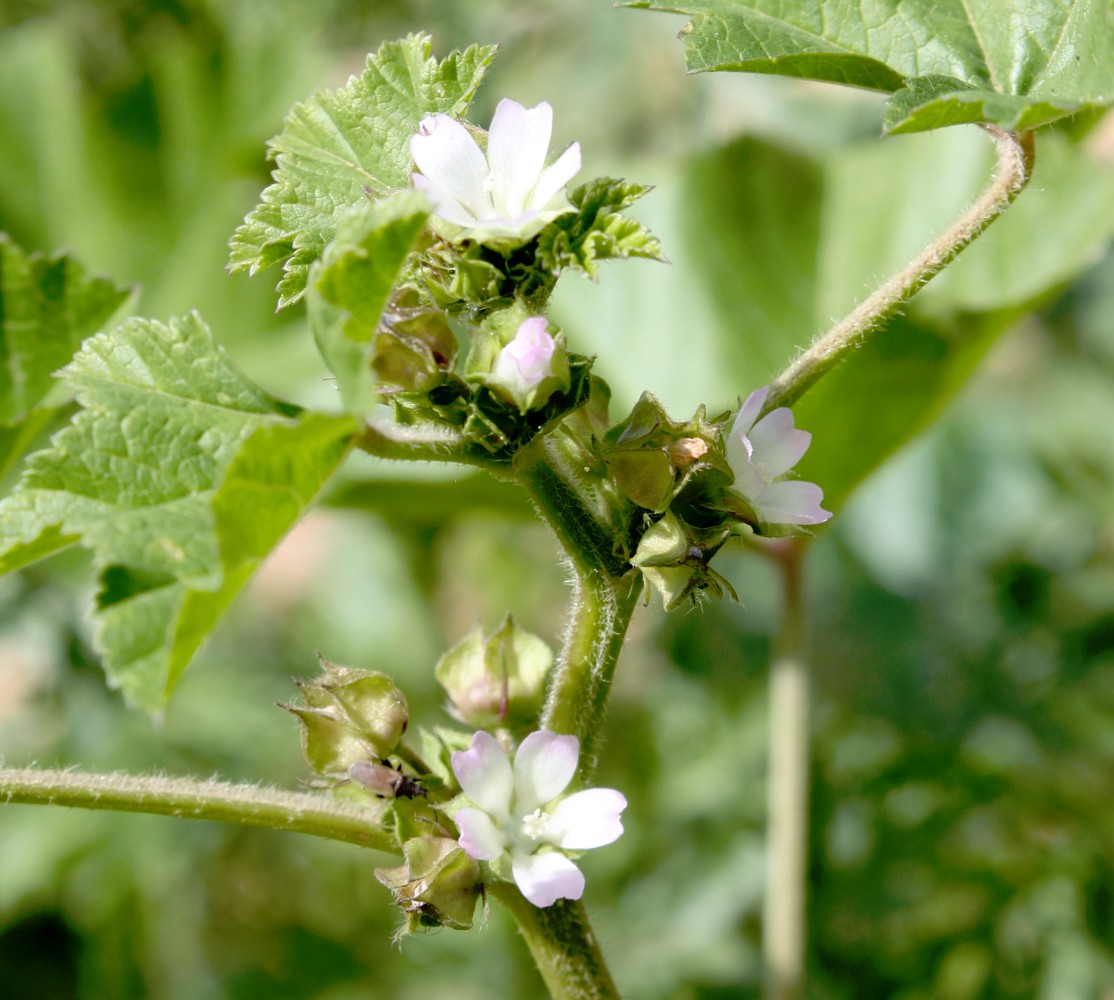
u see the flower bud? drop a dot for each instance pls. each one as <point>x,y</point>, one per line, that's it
<point>350,715</point>
<point>414,350</point>
<point>437,886</point>
<point>531,368</point>
<point>674,560</point>
<point>496,681</point>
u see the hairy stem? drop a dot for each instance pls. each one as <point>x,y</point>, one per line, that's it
<point>784,925</point>
<point>577,700</point>
<point>1014,169</point>
<point>189,798</point>
<point>563,945</point>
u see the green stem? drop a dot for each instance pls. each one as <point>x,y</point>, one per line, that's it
<point>581,682</point>
<point>1015,167</point>
<point>784,924</point>
<point>563,945</point>
<point>188,798</point>
<point>422,442</point>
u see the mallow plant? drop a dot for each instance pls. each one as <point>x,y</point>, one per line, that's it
<point>426,249</point>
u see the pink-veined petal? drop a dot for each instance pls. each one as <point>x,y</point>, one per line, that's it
<point>445,152</point>
<point>554,178</point>
<point>793,502</point>
<point>479,836</point>
<point>545,878</point>
<point>485,775</point>
<point>777,444</point>
<point>516,149</point>
<point>444,204</point>
<point>543,767</point>
<point>587,819</point>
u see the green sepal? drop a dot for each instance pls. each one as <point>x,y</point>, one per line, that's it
<point>496,681</point>
<point>438,885</point>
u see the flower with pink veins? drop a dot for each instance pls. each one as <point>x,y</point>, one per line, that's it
<point>508,191</point>
<point>760,452</point>
<point>521,813</point>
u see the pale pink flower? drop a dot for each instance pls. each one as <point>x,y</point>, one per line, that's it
<point>527,360</point>
<point>521,814</point>
<point>760,452</point>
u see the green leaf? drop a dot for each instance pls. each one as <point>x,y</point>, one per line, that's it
<point>48,306</point>
<point>180,476</point>
<point>1012,63</point>
<point>350,288</point>
<point>343,146</point>
<point>597,230</point>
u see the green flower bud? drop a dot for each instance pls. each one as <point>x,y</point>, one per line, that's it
<point>496,681</point>
<point>437,886</point>
<point>414,349</point>
<point>674,560</point>
<point>350,715</point>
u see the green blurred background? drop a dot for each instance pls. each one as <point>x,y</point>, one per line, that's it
<point>962,606</point>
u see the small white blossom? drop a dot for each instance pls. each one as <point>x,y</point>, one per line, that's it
<point>507,192</point>
<point>759,452</point>
<point>519,813</point>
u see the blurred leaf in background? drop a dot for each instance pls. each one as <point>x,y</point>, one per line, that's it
<point>963,602</point>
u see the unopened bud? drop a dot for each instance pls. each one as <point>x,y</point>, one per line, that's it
<point>437,886</point>
<point>497,681</point>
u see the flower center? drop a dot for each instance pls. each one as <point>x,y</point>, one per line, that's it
<point>534,825</point>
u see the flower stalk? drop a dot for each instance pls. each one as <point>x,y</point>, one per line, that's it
<point>189,798</point>
<point>1016,154</point>
<point>565,950</point>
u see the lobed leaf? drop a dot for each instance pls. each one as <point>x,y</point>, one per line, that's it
<point>48,306</point>
<point>343,146</point>
<point>1013,63</point>
<point>180,476</point>
<point>597,230</point>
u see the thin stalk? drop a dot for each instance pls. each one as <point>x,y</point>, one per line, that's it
<point>564,948</point>
<point>1016,154</point>
<point>784,925</point>
<point>188,798</point>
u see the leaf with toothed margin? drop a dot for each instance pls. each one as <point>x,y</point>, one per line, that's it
<point>48,306</point>
<point>180,476</point>
<point>342,147</point>
<point>1016,64</point>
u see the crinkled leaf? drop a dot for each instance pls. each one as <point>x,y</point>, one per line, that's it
<point>180,476</point>
<point>351,285</point>
<point>1013,63</point>
<point>597,230</point>
<point>343,146</point>
<point>48,306</point>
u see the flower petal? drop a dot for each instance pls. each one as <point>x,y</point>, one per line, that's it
<point>748,412</point>
<point>792,502</point>
<point>446,153</point>
<point>516,149</point>
<point>777,444</point>
<point>479,836</point>
<point>547,877</point>
<point>485,776</point>
<point>527,359</point>
<point>444,204</point>
<point>587,819</point>
<point>554,178</point>
<point>543,767</point>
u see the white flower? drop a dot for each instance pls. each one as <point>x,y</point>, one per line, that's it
<point>759,451</point>
<point>519,814</point>
<point>510,192</point>
<point>527,360</point>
